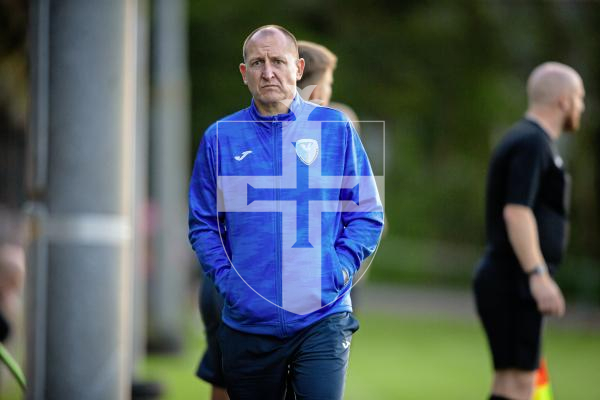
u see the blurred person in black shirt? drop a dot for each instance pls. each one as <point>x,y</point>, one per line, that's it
<point>527,203</point>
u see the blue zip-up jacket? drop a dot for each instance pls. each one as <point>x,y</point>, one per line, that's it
<point>255,181</point>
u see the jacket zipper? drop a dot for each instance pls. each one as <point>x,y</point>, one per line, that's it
<point>278,244</point>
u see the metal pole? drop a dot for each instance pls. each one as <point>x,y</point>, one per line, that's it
<point>79,325</point>
<point>140,245</point>
<point>37,162</point>
<point>169,173</point>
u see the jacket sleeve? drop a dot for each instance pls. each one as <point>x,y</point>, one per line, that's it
<point>206,225</point>
<point>363,224</point>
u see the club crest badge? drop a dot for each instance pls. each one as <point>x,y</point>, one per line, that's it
<point>307,150</point>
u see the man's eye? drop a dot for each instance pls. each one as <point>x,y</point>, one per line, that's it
<point>278,62</point>
<point>256,63</point>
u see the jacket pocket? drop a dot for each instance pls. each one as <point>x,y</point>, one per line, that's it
<point>341,274</point>
<point>229,293</point>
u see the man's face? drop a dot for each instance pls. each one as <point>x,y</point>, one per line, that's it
<point>271,68</point>
<point>577,106</point>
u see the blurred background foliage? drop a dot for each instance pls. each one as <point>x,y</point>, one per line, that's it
<point>448,78</point>
<point>14,85</point>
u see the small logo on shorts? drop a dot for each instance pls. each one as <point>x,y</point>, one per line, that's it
<point>346,343</point>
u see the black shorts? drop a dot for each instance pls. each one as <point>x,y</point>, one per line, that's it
<point>310,364</point>
<point>509,315</point>
<point>211,305</point>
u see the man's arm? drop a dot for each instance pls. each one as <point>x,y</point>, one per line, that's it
<point>364,223</point>
<point>522,232</point>
<point>206,225</point>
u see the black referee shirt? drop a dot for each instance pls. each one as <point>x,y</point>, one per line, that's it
<point>526,169</point>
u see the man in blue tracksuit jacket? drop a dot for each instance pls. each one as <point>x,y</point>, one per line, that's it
<point>283,209</point>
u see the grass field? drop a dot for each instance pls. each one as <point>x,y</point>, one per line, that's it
<point>419,358</point>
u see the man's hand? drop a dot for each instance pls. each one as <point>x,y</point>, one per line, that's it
<point>547,294</point>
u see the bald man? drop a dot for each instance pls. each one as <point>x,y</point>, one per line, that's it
<point>526,225</point>
<point>315,86</point>
<point>283,268</point>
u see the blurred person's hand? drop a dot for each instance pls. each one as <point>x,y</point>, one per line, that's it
<point>12,277</point>
<point>547,294</point>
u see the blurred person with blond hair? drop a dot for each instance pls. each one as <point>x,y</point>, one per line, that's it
<point>317,80</point>
<point>316,84</point>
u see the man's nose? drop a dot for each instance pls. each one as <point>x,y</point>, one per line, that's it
<point>267,72</point>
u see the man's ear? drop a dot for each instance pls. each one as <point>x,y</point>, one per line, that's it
<point>243,72</point>
<point>300,65</point>
<point>564,103</point>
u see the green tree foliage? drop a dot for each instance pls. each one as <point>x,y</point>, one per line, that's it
<point>13,101</point>
<point>448,77</point>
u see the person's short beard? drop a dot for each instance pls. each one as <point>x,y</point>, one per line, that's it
<point>570,124</point>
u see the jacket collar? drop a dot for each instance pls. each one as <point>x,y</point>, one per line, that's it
<point>296,107</point>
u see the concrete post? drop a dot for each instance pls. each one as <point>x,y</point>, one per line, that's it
<point>169,169</point>
<point>84,105</point>
<point>140,244</point>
